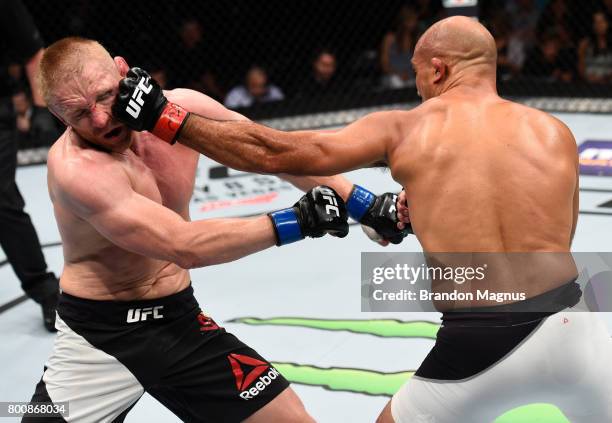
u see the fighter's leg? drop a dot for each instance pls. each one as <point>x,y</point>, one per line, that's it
<point>286,407</point>
<point>474,373</point>
<point>213,376</point>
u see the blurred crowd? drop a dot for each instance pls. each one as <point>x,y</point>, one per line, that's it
<point>560,41</point>
<point>564,41</point>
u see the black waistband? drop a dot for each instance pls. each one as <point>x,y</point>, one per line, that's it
<point>127,312</point>
<point>529,310</point>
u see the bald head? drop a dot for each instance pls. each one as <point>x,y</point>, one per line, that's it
<point>459,41</point>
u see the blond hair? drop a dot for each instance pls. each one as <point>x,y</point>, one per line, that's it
<point>62,58</point>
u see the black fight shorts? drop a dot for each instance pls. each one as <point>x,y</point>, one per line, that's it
<point>108,353</point>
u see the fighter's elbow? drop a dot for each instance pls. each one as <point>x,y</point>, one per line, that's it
<point>188,257</point>
<point>185,259</point>
<point>180,250</point>
<point>188,260</point>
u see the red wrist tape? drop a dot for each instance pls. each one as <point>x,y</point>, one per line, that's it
<point>170,122</point>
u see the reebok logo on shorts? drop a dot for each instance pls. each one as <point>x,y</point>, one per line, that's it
<point>253,377</point>
<point>141,314</point>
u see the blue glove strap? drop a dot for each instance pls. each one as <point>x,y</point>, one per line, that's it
<point>287,226</point>
<point>359,202</point>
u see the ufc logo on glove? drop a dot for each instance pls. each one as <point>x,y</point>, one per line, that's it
<point>331,199</point>
<point>136,102</point>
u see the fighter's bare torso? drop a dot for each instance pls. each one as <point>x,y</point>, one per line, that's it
<point>95,267</point>
<point>513,166</point>
<point>491,176</point>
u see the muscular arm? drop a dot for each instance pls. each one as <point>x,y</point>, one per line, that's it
<point>142,226</point>
<point>255,148</point>
<point>203,105</point>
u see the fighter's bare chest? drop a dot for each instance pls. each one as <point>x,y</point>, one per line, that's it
<point>160,176</point>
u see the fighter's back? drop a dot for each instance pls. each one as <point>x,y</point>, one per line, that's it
<point>486,174</point>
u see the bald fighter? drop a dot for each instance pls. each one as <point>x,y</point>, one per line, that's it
<point>128,321</point>
<point>481,174</point>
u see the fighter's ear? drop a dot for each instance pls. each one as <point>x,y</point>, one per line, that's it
<point>122,65</point>
<point>439,69</point>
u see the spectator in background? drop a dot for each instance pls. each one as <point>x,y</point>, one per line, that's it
<point>510,47</point>
<point>397,49</point>
<point>595,51</point>
<point>256,89</point>
<point>523,15</point>
<point>15,73</point>
<point>322,79</point>
<point>547,61</point>
<point>23,112</point>
<point>190,61</point>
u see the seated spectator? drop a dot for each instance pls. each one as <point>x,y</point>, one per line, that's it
<point>548,61</point>
<point>595,52</point>
<point>322,79</point>
<point>397,49</point>
<point>256,90</point>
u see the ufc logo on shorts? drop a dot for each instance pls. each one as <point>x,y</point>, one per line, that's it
<point>135,105</point>
<point>141,314</point>
<point>328,195</point>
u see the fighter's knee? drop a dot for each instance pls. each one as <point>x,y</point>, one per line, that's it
<point>296,412</point>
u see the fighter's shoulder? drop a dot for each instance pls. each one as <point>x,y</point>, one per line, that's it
<point>78,174</point>
<point>544,121</point>
<point>431,106</point>
<point>182,96</point>
<point>548,128</point>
